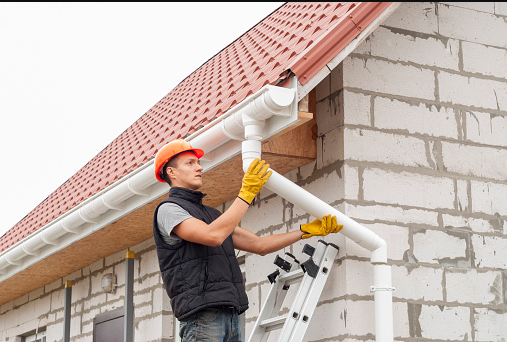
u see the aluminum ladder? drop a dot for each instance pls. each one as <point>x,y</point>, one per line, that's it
<point>312,276</point>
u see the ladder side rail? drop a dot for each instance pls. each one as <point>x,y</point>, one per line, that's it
<point>274,299</point>
<point>301,294</point>
<point>311,300</point>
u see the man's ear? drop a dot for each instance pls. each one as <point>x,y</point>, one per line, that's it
<point>169,172</point>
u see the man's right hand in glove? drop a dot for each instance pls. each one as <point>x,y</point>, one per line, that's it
<point>321,228</point>
<point>254,179</point>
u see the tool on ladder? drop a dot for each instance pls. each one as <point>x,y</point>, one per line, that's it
<point>312,275</point>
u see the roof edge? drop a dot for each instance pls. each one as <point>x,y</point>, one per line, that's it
<point>305,87</point>
<point>345,31</point>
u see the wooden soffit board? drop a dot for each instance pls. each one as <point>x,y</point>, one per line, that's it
<point>286,151</point>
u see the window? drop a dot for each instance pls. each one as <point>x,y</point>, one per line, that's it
<point>39,337</point>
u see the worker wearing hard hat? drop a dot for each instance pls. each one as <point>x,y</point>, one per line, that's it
<point>196,244</point>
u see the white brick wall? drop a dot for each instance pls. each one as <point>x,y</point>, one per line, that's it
<point>501,8</point>
<point>472,92</point>
<point>445,323</point>
<point>89,301</point>
<point>487,7</point>
<point>479,161</point>
<point>489,325</point>
<point>415,119</point>
<point>475,224</point>
<point>490,251</point>
<point>488,197</point>
<point>398,45</point>
<point>431,246</point>
<point>358,108</point>
<point>363,145</point>
<point>415,16</point>
<point>472,286</point>
<point>421,283</point>
<point>408,188</point>
<point>486,128</point>
<point>457,22</point>
<point>389,77</point>
<point>392,214</point>
<point>485,60</point>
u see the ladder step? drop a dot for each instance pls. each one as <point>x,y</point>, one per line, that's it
<point>292,277</point>
<point>273,323</point>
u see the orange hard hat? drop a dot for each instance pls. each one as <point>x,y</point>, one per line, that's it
<point>168,151</point>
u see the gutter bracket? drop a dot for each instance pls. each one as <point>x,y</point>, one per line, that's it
<point>111,206</point>
<point>145,192</point>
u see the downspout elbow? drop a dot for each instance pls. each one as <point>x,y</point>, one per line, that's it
<point>379,254</point>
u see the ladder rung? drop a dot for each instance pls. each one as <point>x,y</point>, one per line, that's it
<point>292,277</point>
<point>273,323</point>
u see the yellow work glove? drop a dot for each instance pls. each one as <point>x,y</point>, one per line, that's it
<point>253,180</point>
<point>321,228</point>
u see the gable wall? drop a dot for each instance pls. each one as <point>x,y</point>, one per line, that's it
<point>413,145</point>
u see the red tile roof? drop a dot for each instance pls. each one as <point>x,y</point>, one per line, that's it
<point>301,37</point>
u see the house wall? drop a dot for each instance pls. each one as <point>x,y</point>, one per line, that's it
<point>413,145</point>
<point>153,320</point>
<point>425,139</point>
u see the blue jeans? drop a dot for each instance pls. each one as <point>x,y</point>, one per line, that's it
<point>211,325</point>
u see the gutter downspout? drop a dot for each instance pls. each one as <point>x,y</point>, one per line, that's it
<point>251,149</point>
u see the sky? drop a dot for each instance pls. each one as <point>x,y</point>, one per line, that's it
<point>75,75</point>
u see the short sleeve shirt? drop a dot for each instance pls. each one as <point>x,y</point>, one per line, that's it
<point>169,216</point>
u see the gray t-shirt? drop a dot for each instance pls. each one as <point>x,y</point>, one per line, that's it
<point>169,216</point>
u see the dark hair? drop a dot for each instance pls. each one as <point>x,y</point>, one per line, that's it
<point>172,163</point>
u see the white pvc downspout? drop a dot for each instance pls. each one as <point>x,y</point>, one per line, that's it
<point>351,229</point>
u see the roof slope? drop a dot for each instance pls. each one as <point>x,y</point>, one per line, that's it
<point>302,37</point>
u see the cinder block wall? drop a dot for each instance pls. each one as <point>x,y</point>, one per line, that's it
<point>153,320</point>
<point>413,145</point>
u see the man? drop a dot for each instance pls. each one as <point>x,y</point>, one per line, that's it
<point>196,244</point>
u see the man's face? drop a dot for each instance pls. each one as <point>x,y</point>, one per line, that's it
<point>188,173</point>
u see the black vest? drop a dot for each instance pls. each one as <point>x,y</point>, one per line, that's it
<point>196,276</point>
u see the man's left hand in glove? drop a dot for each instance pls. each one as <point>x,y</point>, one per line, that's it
<point>321,228</point>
